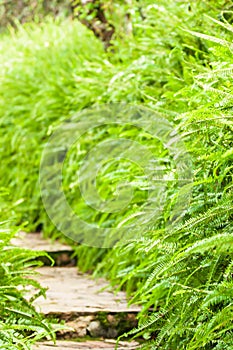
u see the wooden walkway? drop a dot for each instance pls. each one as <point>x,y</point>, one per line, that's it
<point>88,307</point>
<point>88,345</point>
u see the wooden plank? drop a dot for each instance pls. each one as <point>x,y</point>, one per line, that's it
<point>60,253</point>
<point>70,291</point>
<point>88,307</point>
<point>88,345</point>
<point>35,241</point>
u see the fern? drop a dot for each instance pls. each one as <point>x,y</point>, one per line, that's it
<point>181,274</point>
<point>20,323</point>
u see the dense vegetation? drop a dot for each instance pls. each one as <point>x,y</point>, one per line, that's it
<point>20,323</point>
<point>178,63</point>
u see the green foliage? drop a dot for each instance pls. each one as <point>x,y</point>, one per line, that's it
<point>20,324</point>
<point>180,68</point>
<point>57,73</point>
<point>106,19</point>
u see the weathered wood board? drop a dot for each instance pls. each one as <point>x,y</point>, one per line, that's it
<point>88,306</point>
<point>35,241</point>
<point>70,291</point>
<point>88,345</point>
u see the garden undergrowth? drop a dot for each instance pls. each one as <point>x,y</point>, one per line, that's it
<point>180,68</point>
<point>20,324</point>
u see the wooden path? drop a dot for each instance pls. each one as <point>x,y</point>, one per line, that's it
<point>87,345</point>
<point>88,307</point>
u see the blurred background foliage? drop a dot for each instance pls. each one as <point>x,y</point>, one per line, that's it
<point>21,11</point>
